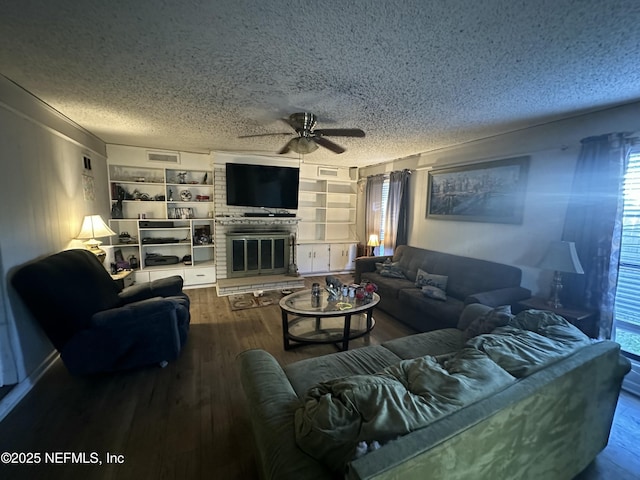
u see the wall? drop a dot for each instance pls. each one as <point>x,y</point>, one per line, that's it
<point>553,149</point>
<point>43,204</point>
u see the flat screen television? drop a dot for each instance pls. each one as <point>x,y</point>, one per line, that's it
<point>262,186</point>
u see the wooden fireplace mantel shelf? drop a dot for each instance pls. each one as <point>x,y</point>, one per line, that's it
<point>257,220</point>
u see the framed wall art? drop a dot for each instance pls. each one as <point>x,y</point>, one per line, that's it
<point>480,192</point>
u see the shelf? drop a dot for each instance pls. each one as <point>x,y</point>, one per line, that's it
<point>186,185</point>
<point>173,266</point>
<point>172,244</point>
<point>133,182</point>
<point>155,229</point>
<point>256,220</point>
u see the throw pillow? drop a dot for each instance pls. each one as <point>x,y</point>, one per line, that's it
<point>392,270</point>
<point>434,292</point>
<point>381,265</point>
<point>424,278</point>
<point>498,317</point>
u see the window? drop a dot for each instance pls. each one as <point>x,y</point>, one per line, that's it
<point>627,304</point>
<point>383,206</point>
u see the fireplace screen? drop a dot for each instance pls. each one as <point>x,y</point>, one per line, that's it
<point>257,254</point>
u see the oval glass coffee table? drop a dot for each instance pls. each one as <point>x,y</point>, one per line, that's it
<point>333,321</point>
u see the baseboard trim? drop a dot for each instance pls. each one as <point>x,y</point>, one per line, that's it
<point>20,390</point>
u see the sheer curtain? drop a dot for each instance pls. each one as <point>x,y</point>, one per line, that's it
<point>395,228</point>
<point>594,222</point>
<point>373,212</point>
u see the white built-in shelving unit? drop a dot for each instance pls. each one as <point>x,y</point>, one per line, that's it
<point>166,212</point>
<point>327,210</point>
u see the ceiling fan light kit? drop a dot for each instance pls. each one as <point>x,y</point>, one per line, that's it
<point>303,145</point>
<point>308,139</point>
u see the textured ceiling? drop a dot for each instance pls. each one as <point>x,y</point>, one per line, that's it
<point>415,75</point>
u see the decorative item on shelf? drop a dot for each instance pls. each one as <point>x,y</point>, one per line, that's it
<point>560,257</point>
<point>185,196</point>
<point>373,243</point>
<point>180,213</point>
<point>170,195</point>
<point>182,177</point>
<point>116,210</point>
<point>204,179</point>
<point>202,198</point>
<point>201,234</point>
<point>133,262</point>
<point>93,227</point>
<point>124,237</point>
<point>143,196</point>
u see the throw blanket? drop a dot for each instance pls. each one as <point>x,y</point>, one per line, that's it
<point>532,340</point>
<point>339,414</point>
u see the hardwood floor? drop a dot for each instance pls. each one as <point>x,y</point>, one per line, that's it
<point>188,421</point>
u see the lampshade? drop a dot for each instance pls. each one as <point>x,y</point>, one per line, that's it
<point>93,227</point>
<point>303,145</point>
<point>561,257</point>
<point>373,241</point>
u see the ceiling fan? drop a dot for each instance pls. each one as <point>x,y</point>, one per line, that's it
<point>308,137</point>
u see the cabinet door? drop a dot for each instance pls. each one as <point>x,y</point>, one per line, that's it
<point>313,258</point>
<point>342,256</point>
<point>304,258</point>
<point>338,261</point>
<point>351,254</point>
<point>321,258</point>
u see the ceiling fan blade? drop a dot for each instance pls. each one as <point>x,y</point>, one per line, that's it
<point>334,147</point>
<point>265,134</point>
<point>287,147</point>
<point>340,132</point>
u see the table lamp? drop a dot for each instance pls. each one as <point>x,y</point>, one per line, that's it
<point>93,226</point>
<point>560,257</point>
<point>373,243</point>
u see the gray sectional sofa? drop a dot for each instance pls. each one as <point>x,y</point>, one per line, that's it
<point>469,280</point>
<point>548,418</point>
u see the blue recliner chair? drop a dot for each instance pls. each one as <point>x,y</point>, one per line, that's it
<point>96,326</point>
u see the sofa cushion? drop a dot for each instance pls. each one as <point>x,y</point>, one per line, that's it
<point>489,321</point>
<point>391,270</point>
<point>414,299</point>
<point>306,373</point>
<point>436,342</point>
<point>381,265</point>
<point>425,278</point>
<point>434,292</point>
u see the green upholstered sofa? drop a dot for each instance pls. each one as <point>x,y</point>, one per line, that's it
<point>548,424</point>
<point>469,280</point>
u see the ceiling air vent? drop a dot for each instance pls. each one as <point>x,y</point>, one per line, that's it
<point>164,157</point>
<point>327,172</point>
